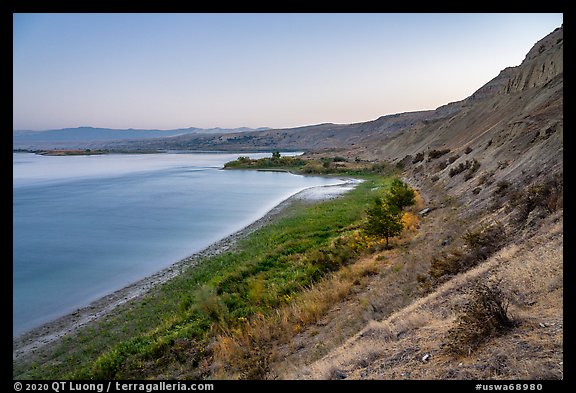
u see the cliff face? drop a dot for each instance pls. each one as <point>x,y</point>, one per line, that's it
<point>542,64</point>
<point>512,126</point>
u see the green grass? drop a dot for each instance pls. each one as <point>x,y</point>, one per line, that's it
<point>270,265</point>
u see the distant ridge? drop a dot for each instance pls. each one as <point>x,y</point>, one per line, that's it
<point>85,135</point>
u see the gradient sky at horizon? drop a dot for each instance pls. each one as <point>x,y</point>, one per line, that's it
<point>170,71</point>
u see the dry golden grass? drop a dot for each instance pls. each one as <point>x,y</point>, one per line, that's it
<point>246,353</point>
<point>411,343</point>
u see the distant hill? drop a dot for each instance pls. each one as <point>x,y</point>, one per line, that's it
<point>308,138</point>
<point>82,137</point>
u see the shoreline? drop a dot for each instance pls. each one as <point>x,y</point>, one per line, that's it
<point>50,332</point>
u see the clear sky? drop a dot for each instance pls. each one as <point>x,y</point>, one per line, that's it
<point>280,70</point>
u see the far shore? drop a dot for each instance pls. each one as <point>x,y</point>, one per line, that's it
<point>51,332</point>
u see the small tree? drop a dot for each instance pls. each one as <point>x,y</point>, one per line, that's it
<point>384,219</point>
<point>276,155</point>
<point>400,195</point>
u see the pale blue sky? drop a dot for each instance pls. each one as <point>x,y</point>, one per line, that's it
<point>255,70</point>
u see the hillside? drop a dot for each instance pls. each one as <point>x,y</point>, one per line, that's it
<point>492,169</point>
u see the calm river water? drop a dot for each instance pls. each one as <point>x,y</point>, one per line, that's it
<point>85,226</point>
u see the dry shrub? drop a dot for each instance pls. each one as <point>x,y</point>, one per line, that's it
<point>433,154</point>
<point>245,353</point>
<point>546,197</point>
<point>483,317</point>
<point>453,158</point>
<point>445,264</point>
<point>441,165</point>
<point>470,165</point>
<point>419,157</point>
<point>480,245</point>
<point>484,242</point>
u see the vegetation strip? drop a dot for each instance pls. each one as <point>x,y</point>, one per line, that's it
<point>176,323</point>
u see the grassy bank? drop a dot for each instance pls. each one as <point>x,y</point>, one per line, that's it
<point>186,326</point>
<point>326,165</point>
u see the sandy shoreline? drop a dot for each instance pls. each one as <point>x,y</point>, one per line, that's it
<point>32,340</point>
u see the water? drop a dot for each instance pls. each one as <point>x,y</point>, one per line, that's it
<point>85,226</point>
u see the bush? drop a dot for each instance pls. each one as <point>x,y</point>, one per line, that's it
<point>485,241</point>
<point>502,187</point>
<point>442,165</point>
<point>480,245</point>
<point>433,154</point>
<point>483,317</point>
<point>419,157</point>
<point>445,264</point>
<point>379,167</point>
<point>474,165</point>
<point>209,303</point>
<point>486,178</point>
<point>471,165</point>
<point>468,150</point>
<point>453,158</point>
<point>457,169</point>
<point>547,196</point>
